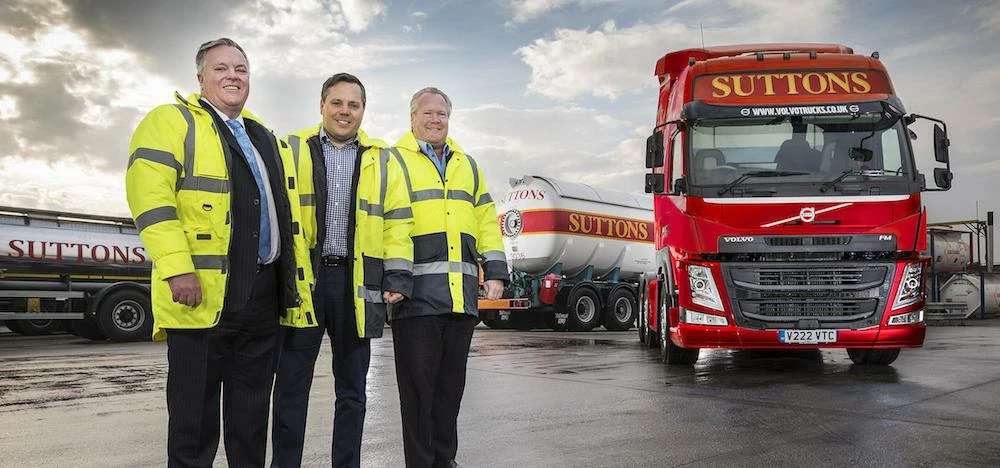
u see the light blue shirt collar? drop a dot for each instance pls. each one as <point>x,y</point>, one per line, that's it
<point>439,161</point>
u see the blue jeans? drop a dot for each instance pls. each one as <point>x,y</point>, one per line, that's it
<point>351,356</point>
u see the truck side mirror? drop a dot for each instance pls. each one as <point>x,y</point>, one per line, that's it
<point>942,177</point>
<point>654,183</point>
<point>679,186</point>
<point>654,150</point>
<point>941,144</point>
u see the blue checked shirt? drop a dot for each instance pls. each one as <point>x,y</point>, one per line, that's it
<point>339,173</point>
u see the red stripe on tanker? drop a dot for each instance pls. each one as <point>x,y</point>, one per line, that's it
<point>546,221</point>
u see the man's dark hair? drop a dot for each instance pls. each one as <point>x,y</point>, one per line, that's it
<point>345,78</point>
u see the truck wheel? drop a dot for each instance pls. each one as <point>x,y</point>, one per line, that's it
<point>87,328</point>
<point>126,315</point>
<point>620,314</point>
<point>640,320</point>
<point>34,327</point>
<point>669,352</point>
<point>872,357</point>
<point>584,310</point>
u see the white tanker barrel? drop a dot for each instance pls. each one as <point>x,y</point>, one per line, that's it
<point>951,250</point>
<point>546,221</point>
<point>35,245</point>
<point>968,289</point>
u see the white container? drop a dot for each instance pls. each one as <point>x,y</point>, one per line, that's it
<point>546,221</point>
<point>44,245</point>
<point>951,251</point>
<point>966,288</point>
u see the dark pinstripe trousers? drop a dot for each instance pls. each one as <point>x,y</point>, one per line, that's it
<point>233,361</point>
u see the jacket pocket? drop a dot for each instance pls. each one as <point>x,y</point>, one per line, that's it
<point>373,271</point>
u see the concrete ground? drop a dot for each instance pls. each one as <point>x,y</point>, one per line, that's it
<point>556,399</point>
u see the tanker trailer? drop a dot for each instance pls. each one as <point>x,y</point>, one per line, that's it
<point>88,272</point>
<point>576,254</point>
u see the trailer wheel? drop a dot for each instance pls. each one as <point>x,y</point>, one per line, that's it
<point>126,315</point>
<point>34,327</point>
<point>872,357</point>
<point>620,315</point>
<point>584,309</point>
<point>669,352</point>
<point>87,328</point>
<point>12,326</point>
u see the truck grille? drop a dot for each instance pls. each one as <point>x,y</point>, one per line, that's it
<point>804,295</point>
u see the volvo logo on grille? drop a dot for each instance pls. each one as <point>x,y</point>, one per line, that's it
<point>807,214</point>
<point>734,239</point>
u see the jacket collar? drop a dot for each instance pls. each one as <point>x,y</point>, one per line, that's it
<point>409,142</point>
<point>192,103</point>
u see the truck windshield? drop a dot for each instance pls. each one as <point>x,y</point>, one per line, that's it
<point>821,155</point>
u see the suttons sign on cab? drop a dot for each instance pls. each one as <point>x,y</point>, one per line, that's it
<point>820,83</point>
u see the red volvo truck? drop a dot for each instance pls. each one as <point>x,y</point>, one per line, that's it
<point>787,205</point>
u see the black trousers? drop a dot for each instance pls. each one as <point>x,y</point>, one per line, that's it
<point>351,357</point>
<point>235,361</point>
<point>431,354</point>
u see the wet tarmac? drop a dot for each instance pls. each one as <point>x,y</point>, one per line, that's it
<point>556,399</point>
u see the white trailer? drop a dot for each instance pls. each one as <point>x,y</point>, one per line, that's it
<point>576,254</point>
<point>89,274</point>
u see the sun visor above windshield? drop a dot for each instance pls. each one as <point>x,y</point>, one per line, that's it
<point>792,87</point>
<point>700,110</point>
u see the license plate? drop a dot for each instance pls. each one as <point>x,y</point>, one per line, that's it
<point>807,336</point>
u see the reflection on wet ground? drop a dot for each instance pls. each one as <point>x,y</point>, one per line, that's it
<point>558,399</point>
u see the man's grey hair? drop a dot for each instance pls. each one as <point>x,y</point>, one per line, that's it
<point>429,90</point>
<point>199,58</point>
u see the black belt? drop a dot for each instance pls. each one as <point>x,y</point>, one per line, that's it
<point>333,260</point>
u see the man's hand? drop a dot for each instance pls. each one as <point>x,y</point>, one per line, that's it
<point>392,297</point>
<point>185,289</point>
<point>494,288</point>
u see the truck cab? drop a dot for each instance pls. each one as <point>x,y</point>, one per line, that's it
<point>787,204</point>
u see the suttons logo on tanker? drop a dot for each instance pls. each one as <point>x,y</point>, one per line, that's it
<point>585,224</point>
<point>605,226</point>
<point>78,253</point>
<point>817,83</point>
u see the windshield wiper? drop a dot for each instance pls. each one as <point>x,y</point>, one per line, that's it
<point>748,175</point>
<point>843,175</point>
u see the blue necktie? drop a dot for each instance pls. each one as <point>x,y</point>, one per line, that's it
<point>264,248</point>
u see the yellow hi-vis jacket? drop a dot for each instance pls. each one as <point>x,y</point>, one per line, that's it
<point>455,227</point>
<point>178,189</point>
<point>379,224</point>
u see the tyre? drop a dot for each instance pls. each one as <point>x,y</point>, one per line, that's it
<point>872,357</point>
<point>621,311</point>
<point>126,315</point>
<point>640,320</point>
<point>669,352</point>
<point>495,324</point>
<point>34,327</point>
<point>584,308</point>
<point>12,326</point>
<point>87,328</point>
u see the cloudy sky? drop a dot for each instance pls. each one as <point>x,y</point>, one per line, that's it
<point>553,87</point>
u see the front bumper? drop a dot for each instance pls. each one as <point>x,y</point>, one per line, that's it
<point>733,337</point>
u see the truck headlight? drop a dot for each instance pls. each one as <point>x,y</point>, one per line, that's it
<point>916,316</point>
<point>703,290</point>
<point>911,287</point>
<point>701,318</point>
